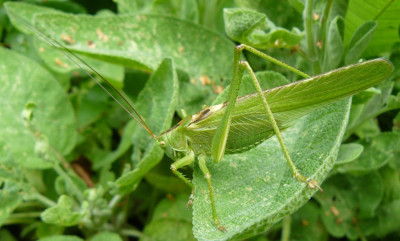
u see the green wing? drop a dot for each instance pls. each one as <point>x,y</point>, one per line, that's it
<point>249,124</point>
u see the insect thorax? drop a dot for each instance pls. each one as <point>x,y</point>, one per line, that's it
<point>176,145</point>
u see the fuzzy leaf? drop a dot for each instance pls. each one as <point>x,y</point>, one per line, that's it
<point>126,40</point>
<point>334,44</point>
<point>359,41</point>
<point>63,214</point>
<point>56,60</point>
<point>255,29</point>
<point>349,152</point>
<point>159,108</point>
<point>377,152</point>
<point>255,189</point>
<point>36,115</point>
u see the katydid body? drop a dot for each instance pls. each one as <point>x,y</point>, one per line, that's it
<point>253,118</point>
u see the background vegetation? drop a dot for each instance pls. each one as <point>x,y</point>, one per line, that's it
<point>74,166</point>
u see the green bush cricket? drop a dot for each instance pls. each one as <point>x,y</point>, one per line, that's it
<point>209,131</point>
<point>219,129</point>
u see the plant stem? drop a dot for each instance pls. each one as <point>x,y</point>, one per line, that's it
<point>323,23</point>
<point>25,215</point>
<point>19,218</point>
<point>44,200</point>
<point>12,221</point>
<point>287,221</point>
<point>308,26</point>
<point>69,181</point>
<point>65,176</point>
<point>133,233</point>
<point>114,201</point>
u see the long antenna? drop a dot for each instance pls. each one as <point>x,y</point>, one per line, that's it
<point>78,62</point>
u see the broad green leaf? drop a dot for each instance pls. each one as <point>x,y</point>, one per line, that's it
<point>26,12</point>
<point>373,107</point>
<point>37,117</point>
<point>22,14</point>
<point>106,236</point>
<point>377,152</point>
<point>62,238</point>
<point>240,23</point>
<point>58,62</point>
<point>385,12</point>
<point>359,41</point>
<point>9,170</point>
<point>170,221</point>
<point>17,183</point>
<point>334,44</point>
<point>349,152</point>
<point>157,110</point>
<point>159,114</point>
<point>63,213</point>
<point>126,40</point>
<point>255,29</point>
<point>282,13</point>
<point>345,199</point>
<point>255,189</point>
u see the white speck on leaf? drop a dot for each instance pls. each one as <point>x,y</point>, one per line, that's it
<point>233,164</point>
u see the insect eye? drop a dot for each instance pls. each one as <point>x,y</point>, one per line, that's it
<point>162,143</point>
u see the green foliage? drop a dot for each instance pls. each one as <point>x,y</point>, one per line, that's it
<point>253,28</point>
<point>74,166</point>
<point>170,219</point>
<point>29,125</point>
<point>62,214</point>
<point>165,81</point>
<point>384,13</point>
